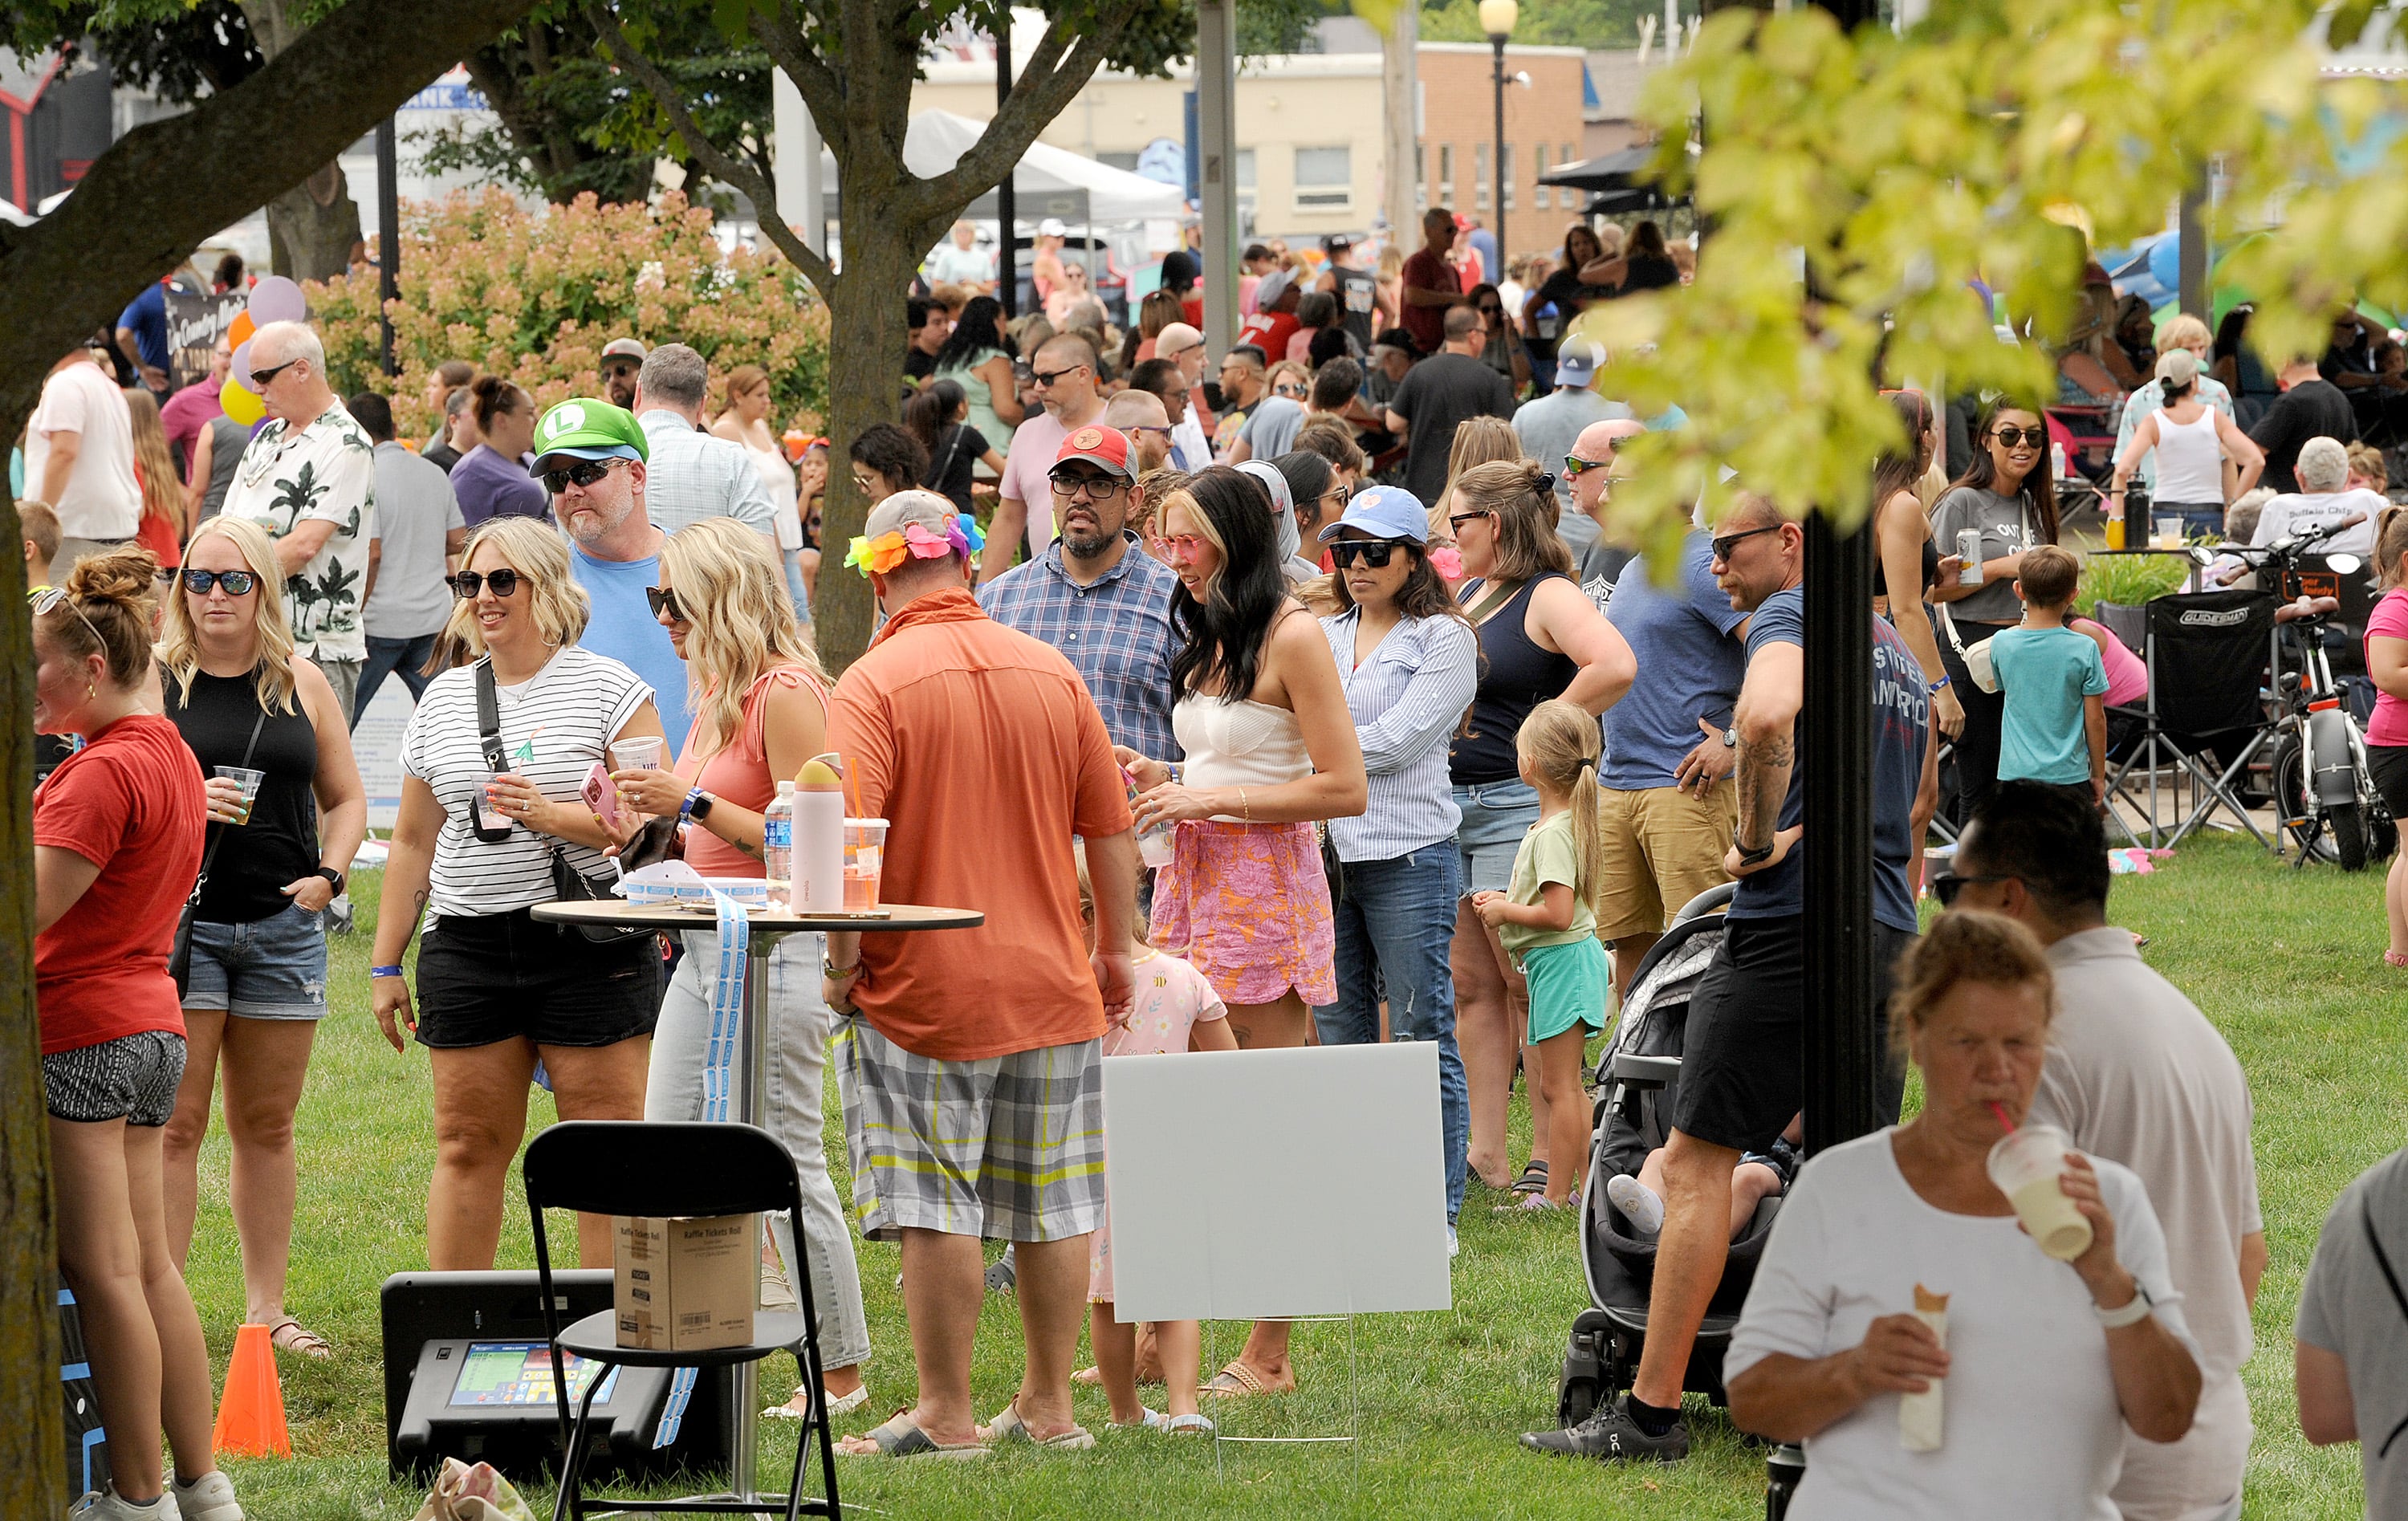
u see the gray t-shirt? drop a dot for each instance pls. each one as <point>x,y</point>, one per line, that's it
<point>1271,428</point>
<point>1548,425</point>
<point>2349,1307</point>
<point>415,509</point>
<point>2009,526</point>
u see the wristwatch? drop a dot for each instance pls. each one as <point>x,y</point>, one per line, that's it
<point>1757,856</point>
<point>1730,738</point>
<point>698,805</point>
<point>2132,1311</point>
<point>333,876</point>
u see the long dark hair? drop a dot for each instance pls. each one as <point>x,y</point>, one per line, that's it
<point>1308,480</point>
<point>2039,490</point>
<point>1894,472</point>
<point>1223,637</point>
<point>2229,332</point>
<point>979,326</point>
<point>930,411</point>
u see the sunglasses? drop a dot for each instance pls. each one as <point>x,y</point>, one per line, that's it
<point>1945,885</point>
<point>1492,311</point>
<point>1047,378</point>
<point>1727,542</point>
<point>1575,466</point>
<point>582,473</point>
<point>55,597</point>
<point>259,377</point>
<point>467,582</point>
<point>1095,488</point>
<point>2011,436</point>
<point>1375,552</point>
<point>663,599</point>
<point>1179,546</point>
<point>1288,389</point>
<point>237,582</point>
<point>1455,524</point>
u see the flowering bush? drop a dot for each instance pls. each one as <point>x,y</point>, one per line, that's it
<point>535,296</point>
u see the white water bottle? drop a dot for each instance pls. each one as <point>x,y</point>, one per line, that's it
<point>819,837</point>
<point>778,845</point>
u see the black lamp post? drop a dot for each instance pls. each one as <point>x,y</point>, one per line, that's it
<point>1496,19</point>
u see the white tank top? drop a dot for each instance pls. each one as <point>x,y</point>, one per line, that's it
<point>1239,744</point>
<point>2190,461</point>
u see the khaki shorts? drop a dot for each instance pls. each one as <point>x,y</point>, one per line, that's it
<point>1663,847</point>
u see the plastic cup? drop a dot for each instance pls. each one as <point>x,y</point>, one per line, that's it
<point>250,781</point>
<point>641,753</point>
<point>2025,1165</point>
<point>2170,533</point>
<point>865,862</point>
<point>1153,846</point>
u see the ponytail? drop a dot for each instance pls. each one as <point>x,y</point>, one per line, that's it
<point>1561,741</point>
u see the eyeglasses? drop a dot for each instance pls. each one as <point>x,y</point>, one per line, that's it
<point>1047,378</point>
<point>46,602</point>
<point>1375,552</point>
<point>1575,466</point>
<point>664,599</point>
<point>1095,488</point>
<point>259,377</point>
<point>237,582</point>
<point>467,583</point>
<point>865,485</point>
<point>1492,311</point>
<point>1946,884</point>
<point>1179,546</point>
<point>1727,542</point>
<point>582,473</point>
<point>1455,524</point>
<point>2011,436</point>
<point>1148,427</point>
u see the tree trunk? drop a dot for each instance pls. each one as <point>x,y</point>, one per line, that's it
<point>313,227</point>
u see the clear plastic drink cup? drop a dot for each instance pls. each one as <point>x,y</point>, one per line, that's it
<point>2170,533</point>
<point>1153,846</point>
<point>249,779</point>
<point>640,753</point>
<point>865,862</point>
<point>2025,1165</point>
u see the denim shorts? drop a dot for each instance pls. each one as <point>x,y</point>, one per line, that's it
<point>1496,817</point>
<point>133,1078</point>
<point>269,969</point>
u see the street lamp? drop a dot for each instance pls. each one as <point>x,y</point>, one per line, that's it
<point>1496,19</point>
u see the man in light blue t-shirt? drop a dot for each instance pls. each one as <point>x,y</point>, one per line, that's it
<point>615,550</point>
<point>2055,728</point>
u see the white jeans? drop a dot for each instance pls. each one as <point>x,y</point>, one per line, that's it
<point>796,1086</point>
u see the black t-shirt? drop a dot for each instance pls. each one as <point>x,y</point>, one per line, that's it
<point>1648,272</point>
<point>2311,410</point>
<point>1434,398</point>
<point>950,463</point>
<point>1357,293</point>
<point>1554,305</point>
<point>280,845</point>
<point>443,454</point>
<point>919,363</point>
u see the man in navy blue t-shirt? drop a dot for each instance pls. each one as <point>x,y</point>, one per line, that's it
<point>1743,1059</point>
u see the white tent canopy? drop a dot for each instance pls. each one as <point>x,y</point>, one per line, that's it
<point>1050,182</point>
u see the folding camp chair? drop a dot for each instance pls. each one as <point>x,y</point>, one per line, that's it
<point>2210,657</point>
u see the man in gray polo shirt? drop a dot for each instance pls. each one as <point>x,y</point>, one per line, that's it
<point>2136,1073</point>
<point>2352,1362</point>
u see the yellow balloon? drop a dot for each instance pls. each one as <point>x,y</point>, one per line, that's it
<point>243,406</point>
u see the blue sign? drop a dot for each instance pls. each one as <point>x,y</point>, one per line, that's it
<point>443,95</point>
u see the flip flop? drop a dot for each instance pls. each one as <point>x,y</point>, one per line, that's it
<point>901,1437</point>
<point>844,1404</point>
<point>1239,1379</point>
<point>1008,1426</point>
<point>2393,958</point>
<point>1190,1425</point>
<point>1154,1420</point>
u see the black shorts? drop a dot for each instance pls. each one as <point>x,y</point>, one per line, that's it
<point>2388,764</point>
<point>1742,1062</point>
<point>485,978</point>
<point>133,1078</point>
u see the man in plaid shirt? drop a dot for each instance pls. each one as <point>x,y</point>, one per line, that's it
<point>1094,595</point>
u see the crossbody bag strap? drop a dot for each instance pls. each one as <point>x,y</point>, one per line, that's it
<point>1492,597</point>
<point>209,856</point>
<point>489,718</point>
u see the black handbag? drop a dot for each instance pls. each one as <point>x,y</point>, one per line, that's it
<point>179,955</point>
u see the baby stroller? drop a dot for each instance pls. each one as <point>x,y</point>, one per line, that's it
<point>1636,1082</point>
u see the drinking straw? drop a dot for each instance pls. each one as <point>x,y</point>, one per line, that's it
<point>2001,1111</point>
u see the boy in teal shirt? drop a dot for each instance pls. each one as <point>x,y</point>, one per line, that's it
<point>2056,685</point>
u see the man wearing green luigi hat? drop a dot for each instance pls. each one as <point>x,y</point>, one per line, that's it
<point>591,457</point>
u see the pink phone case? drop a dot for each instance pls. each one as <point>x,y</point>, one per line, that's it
<point>601,795</point>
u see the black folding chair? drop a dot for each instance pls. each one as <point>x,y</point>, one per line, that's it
<point>663,1169</point>
<point>2210,656</point>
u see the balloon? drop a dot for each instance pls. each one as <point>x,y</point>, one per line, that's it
<point>276,299</point>
<point>241,405</point>
<point>239,373</point>
<point>242,328</point>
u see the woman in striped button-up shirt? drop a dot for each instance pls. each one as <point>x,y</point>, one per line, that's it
<point>1408,659</point>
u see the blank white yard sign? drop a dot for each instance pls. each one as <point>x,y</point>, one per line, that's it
<point>1255,1184</point>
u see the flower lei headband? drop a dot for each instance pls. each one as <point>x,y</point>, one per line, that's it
<point>962,537</point>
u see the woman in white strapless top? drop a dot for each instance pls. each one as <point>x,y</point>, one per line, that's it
<point>1270,749</point>
<point>745,419</point>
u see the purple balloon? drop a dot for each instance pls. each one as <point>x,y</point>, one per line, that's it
<point>240,371</point>
<point>276,299</point>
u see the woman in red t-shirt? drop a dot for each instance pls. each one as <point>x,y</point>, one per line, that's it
<point>117,843</point>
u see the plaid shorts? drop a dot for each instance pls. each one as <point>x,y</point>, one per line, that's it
<point>1011,1148</point>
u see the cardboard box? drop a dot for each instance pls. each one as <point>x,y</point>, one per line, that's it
<point>686,1284</point>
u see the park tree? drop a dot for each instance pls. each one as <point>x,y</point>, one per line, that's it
<point>141,210</point>
<point>854,62</point>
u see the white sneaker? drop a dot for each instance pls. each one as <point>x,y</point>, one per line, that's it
<point>208,1498</point>
<point>1637,1203</point>
<point>1454,1247</point>
<point>109,1505</point>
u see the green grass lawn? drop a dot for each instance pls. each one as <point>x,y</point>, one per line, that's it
<point>2288,964</point>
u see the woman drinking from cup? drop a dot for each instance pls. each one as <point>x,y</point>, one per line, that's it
<point>2061,1320</point>
<point>478,845</point>
<point>286,812</point>
<point>1270,748</point>
<point>760,704</point>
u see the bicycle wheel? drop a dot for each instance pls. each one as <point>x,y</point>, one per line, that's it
<point>2348,836</point>
<point>2306,829</point>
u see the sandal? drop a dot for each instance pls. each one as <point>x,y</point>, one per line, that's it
<point>1008,1426</point>
<point>292,1336</point>
<point>1239,1379</point>
<point>842,1404</point>
<point>1532,1181</point>
<point>1152,1420</point>
<point>1190,1425</point>
<point>2393,958</point>
<point>1530,1204</point>
<point>901,1437</point>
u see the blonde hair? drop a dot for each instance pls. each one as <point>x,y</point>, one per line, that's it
<point>733,593</point>
<point>740,380</point>
<point>2367,461</point>
<point>1560,740</point>
<point>1391,263</point>
<point>107,610</point>
<point>2182,331</point>
<point>1965,945</point>
<point>1478,441</point>
<point>1289,367</point>
<point>558,604</point>
<point>2390,543</point>
<point>1517,492</point>
<point>180,654</point>
<point>163,487</point>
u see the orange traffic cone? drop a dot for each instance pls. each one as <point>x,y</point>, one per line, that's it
<point>250,1415</point>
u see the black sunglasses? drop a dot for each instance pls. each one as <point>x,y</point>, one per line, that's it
<point>467,582</point>
<point>1375,552</point>
<point>1047,378</point>
<point>663,599</point>
<point>1728,542</point>
<point>1455,524</point>
<point>1946,884</point>
<point>237,582</point>
<point>582,473</point>
<point>259,377</point>
<point>2011,436</point>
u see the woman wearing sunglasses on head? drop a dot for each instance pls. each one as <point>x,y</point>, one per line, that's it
<point>760,711</point>
<point>279,842</point>
<point>2007,499</point>
<point>478,845</point>
<point>1409,662</point>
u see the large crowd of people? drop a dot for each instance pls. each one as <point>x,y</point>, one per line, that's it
<point>1326,701</point>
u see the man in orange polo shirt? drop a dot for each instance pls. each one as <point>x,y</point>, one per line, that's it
<point>971,1068</point>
